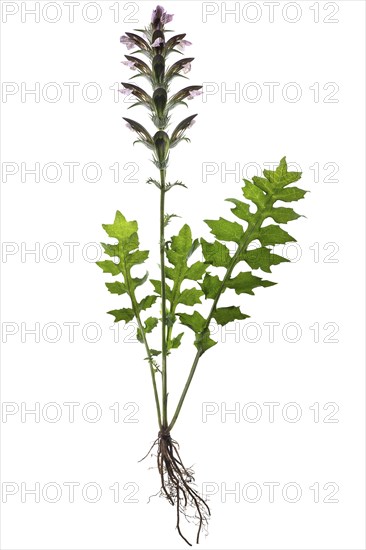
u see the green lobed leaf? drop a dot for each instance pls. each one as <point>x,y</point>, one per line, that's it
<point>245,282</point>
<point>273,234</point>
<point>125,314</point>
<point>182,247</point>
<point>284,215</point>
<point>242,210</point>
<point>121,229</point>
<point>175,342</point>
<point>190,297</point>
<point>216,254</point>
<point>225,230</point>
<point>195,321</point>
<point>196,271</point>
<point>211,285</point>
<point>280,177</point>
<point>262,258</point>
<point>254,194</point>
<point>150,324</point>
<point>263,184</point>
<point>137,257</point>
<point>138,281</point>
<point>181,243</point>
<point>109,267</point>
<point>111,250</point>
<point>157,287</point>
<point>289,194</point>
<point>224,315</point>
<point>116,288</point>
<point>147,302</point>
<point>203,342</point>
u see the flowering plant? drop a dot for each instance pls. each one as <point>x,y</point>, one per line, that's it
<point>177,266</point>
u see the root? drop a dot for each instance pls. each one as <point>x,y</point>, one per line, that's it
<point>177,486</point>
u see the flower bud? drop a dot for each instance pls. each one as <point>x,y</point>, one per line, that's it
<point>160,99</point>
<point>158,65</point>
<point>162,143</point>
<point>158,41</point>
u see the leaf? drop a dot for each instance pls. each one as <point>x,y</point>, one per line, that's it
<point>137,257</point>
<point>216,254</point>
<point>121,229</point>
<point>182,247</point>
<point>111,250</point>
<point>254,194</point>
<point>195,321</point>
<point>136,281</point>
<point>262,258</point>
<point>109,267</point>
<point>281,177</point>
<point>203,342</point>
<point>211,285</point>
<point>147,302</point>
<point>150,324</point>
<point>126,250</point>
<point>273,234</point>
<point>190,296</point>
<point>290,194</point>
<point>175,342</point>
<point>242,210</point>
<point>182,242</point>
<point>263,184</point>
<point>224,315</point>
<point>284,215</point>
<point>126,315</point>
<point>116,288</point>
<point>244,283</point>
<point>225,230</point>
<point>157,287</point>
<point>196,271</point>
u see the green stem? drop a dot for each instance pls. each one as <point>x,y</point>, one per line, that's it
<point>247,239</point>
<point>163,300</point>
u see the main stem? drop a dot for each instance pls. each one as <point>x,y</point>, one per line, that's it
<point>163,300</point>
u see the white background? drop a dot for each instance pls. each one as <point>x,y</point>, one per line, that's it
<point>225,452</point>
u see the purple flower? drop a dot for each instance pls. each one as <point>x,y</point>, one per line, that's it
<point>194,93</point>
<point>129,64</point>
<point>158,42</point>
<point>166,18</point>
<point>157,13</point>
<point>125,92</point>
<point>187,67</point>
<point>160,17</point>
<point>126,41</point>
<point>183,44</point>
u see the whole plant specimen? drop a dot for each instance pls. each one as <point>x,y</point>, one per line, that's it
<point>177,264</point>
